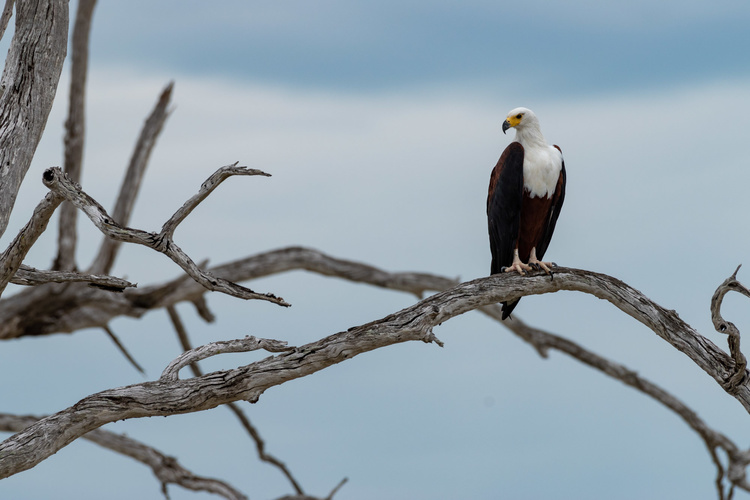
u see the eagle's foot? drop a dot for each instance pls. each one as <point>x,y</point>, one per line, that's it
<point>538,264</point>
<point>518,267</point>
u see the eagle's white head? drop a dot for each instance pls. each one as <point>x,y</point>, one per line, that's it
<point>526,124</point>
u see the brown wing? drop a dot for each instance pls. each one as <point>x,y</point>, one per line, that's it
<point>504,206</point>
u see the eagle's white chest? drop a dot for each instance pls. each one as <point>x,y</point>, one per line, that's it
<point>541,170</point>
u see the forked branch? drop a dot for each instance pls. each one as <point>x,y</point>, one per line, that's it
<point>11,259</point>
<point>59,183</point>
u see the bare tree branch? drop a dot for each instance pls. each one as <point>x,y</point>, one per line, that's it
<point>75,132</point>
<point>29,276</point>
<point>337,488</point>
<point>167,469</point>
<point>131,183</point>
<point>123,350</point>
<point>543,341</point>
<point>28,86</point>
<point>290,259</point>
<point>300,258</point>
<point>739,374</point>
<point>30,312</point>
<point>244,420</point>
<point>11,259</point>
<point>56,180</point>
<point>171,395</point>
<point>249,343</point>
<point>207,188</point>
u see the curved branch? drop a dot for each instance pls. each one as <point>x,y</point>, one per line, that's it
<point>170,396</point>
<point>730,284</point>
<point>167,469</point>
<point>249,343</point>
<point>206,188</point>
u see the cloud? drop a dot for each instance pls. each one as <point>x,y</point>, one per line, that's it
<point>655,196</point>
<point>552,48</point>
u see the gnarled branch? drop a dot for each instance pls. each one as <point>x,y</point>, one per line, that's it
<point>739,372</point>
<point>58,182</point>
<point>172,396</point>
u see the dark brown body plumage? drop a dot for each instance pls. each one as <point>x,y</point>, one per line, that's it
<point>515,219</point>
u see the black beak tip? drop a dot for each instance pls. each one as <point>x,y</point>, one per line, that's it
<point>506,126</point>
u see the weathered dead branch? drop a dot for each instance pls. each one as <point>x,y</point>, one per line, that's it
<point>170,395</point>
<point>260,445</point>
<point>739,372</point>
<point>29,276</point>
<point>42,311</point>
<point>57,181</point>
<point>11,259</point>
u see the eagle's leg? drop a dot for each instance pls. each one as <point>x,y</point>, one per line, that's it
<point>538,264</point>
<point>517,265</point>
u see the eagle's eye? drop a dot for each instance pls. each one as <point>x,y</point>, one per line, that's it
<point>519,115</point>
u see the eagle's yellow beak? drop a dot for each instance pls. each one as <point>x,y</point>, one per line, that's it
<point>506,125</point>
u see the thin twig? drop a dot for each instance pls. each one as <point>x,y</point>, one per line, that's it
<point>201,307</point>
<point>123,350</point>
<point>206,188</point>
<point>337,488</point>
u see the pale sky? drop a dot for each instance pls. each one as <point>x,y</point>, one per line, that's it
<point>380,124</point>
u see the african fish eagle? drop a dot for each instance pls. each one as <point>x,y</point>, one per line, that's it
<point>527,189</point>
